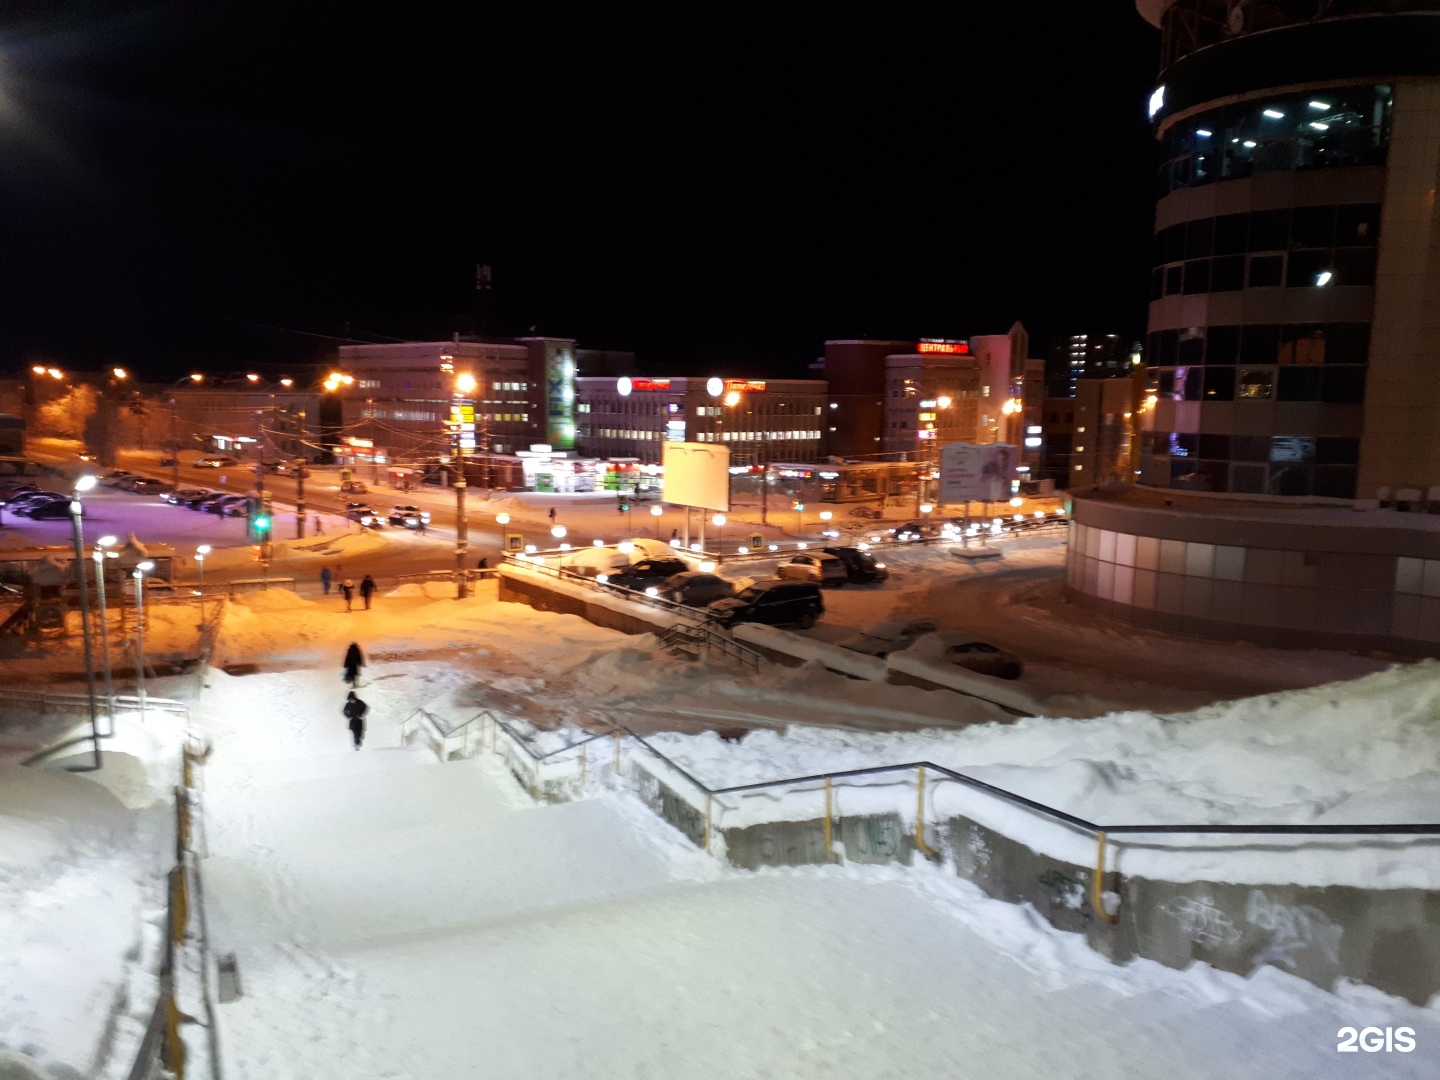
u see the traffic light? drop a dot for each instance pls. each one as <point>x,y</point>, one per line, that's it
<point>261,518</point>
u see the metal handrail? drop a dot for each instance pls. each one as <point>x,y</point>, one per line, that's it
<point>1401,829</point>
<point>705,635</point>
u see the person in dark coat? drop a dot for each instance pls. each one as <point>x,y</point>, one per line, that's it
<point>355,711</point>
<point>347,589</point>
<point>483,564</point>
<point>367,590</point>
<point>325,577</point>
<point>354,661</point>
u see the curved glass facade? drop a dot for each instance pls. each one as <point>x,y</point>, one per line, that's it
<point>1278,133</point>
<point>1190,25</point>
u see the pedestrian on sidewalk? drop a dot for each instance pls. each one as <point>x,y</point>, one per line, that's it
<point>552,515</point>
<point>354,661</point>
<point>424,520</point>
<point>484,563</point>
<point>355,711</point>
<point>325,578</point>
<point>319,526</point>
<point>367,590</point>
<point>347,588</point>
<point>674,534</point>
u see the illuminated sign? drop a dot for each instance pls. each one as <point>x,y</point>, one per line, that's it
<point>650,384</point>
<point>948,346</point>
<point>744,386</point>
<point>925,434</point>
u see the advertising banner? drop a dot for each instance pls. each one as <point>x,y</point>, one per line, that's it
<point>697,474</point>
<point>971,473</point>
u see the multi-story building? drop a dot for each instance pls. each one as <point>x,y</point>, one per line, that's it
<point>855,370</point>
<point>760,420</point>
<point>400,396</point>
<point>1292,334</point>
<point>931,399</point>
<point>1090,356</point>
<point>240,417</point>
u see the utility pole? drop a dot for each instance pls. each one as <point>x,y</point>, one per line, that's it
<point>462,531</point>
<point>300,480</point>
<point>174,451</point>
<point>260,452</point>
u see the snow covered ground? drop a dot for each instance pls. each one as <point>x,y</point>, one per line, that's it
<point>396,917</point>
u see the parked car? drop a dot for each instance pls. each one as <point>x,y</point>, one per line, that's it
<point>53,508</point>
<point>866,512</point>
<point>696,588</point>
<point>143,485</point>
<point>21,503</point>
<point>773,601</point>
<point>213,462</point>
<point>889,635</point>
<point>203,502</point>
<point>289,468</point>
<point>860,566</point>
<point>222,505</point>
<point>184,495</point>
<point>115,479</point>
<point>911,530</point>
<point>408,517</point>
<point>13,492</point>
<point>647,573</point>
<point>814,566</point>
<point>978,656</point>
<point>169,462</point>
<point>353,487</point>
<point>236,506</point>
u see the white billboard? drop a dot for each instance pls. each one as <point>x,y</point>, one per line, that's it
<point>971,473</point>
<point>697,474</point>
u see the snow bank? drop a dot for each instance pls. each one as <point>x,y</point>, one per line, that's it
<point>845,661</point>
<point>276,599</point>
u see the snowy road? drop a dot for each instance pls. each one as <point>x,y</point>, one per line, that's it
<point>399,918</point>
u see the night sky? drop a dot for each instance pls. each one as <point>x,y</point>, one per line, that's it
<point>717,187</point>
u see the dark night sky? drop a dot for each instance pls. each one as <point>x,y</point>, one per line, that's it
<point>714,186</point>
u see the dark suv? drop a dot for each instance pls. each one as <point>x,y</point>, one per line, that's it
<point>860,566</point>
<point>775,601</point>
<point>639,576</point>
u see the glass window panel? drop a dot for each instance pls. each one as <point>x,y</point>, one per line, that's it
<point>1335,481</point>
<point>1248,479</point>
<point>1255,384</point>
<point>1266,270</point>
<point>1343,385</point>
<point>1337,451</point>
<point>1197,276</point>
<point>1222,344</point>
<point>1298,384</point>
<point>1250,447</point>
<point>1302,343</point>
<point>1347,343</point>
<point>1270,230</point>
<point>1357,225</point>
<point>1290,479</point>
<point>1212,476</point>
<point>1199,238</point>
<point>1215,447</point>
<point>1219,384</point>
<point>1157,284</point>
<point>1168,344</point>
<point>1305,268</point>
<point>1232,234</point>
<point>1191,347</point>
<point>1174,243</point>
<point>1354,266</point>
<point>1312,227</point>
<point>1167,383</point>
<point>1172,280</point>
<point>1292,448</point>
<point>1227,274</point>
<point>1260,344</point>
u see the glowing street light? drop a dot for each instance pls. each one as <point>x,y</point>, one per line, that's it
<point>655,511</point>
<point>120,373</point>
<point>465,383</point>
<point>196,377</point>
<point>732,398</point>
<point>502,519</point>
<point>926,508</point>
<point>56,373</point>
<point>38,369</point>
<point>287,382</point>
<point>253,377</point>
<point>943,401</point>
<point>1017,501</point>
<point>558,531</point>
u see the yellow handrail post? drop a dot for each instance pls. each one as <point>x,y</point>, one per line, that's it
<point>617,753</point>
<point>1097,891</point>
<point>708,798</point>
<point>920,843</point>
<point>829,846</point>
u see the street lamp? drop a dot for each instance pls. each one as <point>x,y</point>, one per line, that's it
<point>82,485</point>
<point>99,556</point>
<point>141,569</point>
<point>200,553</point>
<point>719,521</point>
<point>465,385</point>
<point>558,532</point>
<point>656,511</point>
<point>502,519</point>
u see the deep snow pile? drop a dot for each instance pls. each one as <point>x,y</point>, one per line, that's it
<point>82,909</point>
<point>413,919</point>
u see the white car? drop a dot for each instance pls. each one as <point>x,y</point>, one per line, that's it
<point>889,635</point>
<point>814,566</point>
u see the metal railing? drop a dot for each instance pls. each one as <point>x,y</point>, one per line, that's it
<point>705,637</point>
<point>532,562</point>
<point>78,705</point>
<point>441,577</point>
<point>1099,831</point>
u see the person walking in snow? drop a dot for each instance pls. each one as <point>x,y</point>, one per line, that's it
<point>347,588</point>
<point>354,661</point>
<point>325,579</point>
<point>552,515</point>
<point>483,564</point>
<point>367,590</point>
<point>319,526</point>
<point>355,711</point>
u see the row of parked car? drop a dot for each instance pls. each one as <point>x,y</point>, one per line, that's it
<point>27,500</point>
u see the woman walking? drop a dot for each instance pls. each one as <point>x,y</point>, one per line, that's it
<point>355,711</point>
<point>354,661</point>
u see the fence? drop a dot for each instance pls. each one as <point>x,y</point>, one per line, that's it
<point>529,766</point>
<point>78,705</point>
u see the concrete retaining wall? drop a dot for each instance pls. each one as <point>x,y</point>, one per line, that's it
<point>518,589</point>
<point>1386,938</point>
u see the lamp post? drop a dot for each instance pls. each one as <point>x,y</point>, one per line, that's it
<point>139,574</point>
<point>82,485</point>
<point>100,556</point>
<point>200,553</point>
<point>719,522</point>
<point>465,385</point>
<point>655,512</point>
